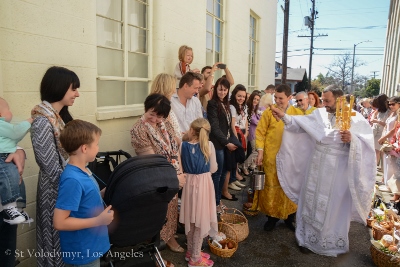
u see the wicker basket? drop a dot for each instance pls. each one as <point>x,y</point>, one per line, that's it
<point>238,221</point>
<point>370,222</point>
<point>230,236</point>
<point>378,233</point>
<point>249,212</point>
<point>382,259</point>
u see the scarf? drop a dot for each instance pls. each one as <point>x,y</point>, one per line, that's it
<point>165,142</point>
<point>184,67</point>
<point>45,109</point>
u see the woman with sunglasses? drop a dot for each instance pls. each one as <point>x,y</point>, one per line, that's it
<point>388,163</point>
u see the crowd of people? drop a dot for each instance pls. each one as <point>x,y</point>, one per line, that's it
<point>213,138</point>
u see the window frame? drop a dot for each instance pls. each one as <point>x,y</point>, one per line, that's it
<point>126,110</point>
<point>253,40</point>
<point>214,34</point>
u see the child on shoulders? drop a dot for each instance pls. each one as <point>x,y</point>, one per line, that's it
<point>198,210</point>
<point>10,135</point>
<point>79,214</point>
<point>185,55</point>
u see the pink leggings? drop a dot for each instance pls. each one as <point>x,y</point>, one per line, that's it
<point>194,242</point>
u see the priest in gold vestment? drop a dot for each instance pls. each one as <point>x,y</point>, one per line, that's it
<point>272,199</point>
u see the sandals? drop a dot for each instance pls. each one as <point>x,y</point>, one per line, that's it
<point>177,249</point>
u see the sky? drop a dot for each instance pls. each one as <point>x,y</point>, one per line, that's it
<point>346,22</point>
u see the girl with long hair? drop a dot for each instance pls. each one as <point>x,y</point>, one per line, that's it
<point>240,129</point>
<point>220,118</point>
<point>58,90</point>
<point>254,111</point>
<point>198,211</point>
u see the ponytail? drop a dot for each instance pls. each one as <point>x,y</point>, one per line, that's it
<point>204,145</point>
<point>202,128</point>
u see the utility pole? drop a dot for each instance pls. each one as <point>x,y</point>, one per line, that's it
<point>375,71</point>
<point>313,17</point>
<point>310,22</point>
<point>352,68</point>
<point>285,41</point>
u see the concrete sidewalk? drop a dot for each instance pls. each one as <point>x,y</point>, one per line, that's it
<point>279,247</point>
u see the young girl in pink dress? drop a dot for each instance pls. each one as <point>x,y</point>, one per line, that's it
<point>198,211</point>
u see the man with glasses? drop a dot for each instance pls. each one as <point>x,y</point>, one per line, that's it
<point>302,103</point>
<point>332,186</point>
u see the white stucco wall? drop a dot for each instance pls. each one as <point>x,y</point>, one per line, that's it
<point>37,34</point>
<point>391,64</point>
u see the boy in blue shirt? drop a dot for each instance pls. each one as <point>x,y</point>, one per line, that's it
<point>79,214</point>
<point>10,135</point>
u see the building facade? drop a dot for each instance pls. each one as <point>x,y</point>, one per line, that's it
<point>390,83</point>
<point>117,47</point>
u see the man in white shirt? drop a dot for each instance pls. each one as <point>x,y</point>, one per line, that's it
<point>186,107</point>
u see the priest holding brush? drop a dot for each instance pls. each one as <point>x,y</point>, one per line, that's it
<point>333,185</point>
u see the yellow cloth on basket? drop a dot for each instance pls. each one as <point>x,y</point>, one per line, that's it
<point>272,200</point>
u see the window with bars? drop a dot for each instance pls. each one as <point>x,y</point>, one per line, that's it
<point>252,78</point>
<point>122,52</point>
<point>214,30</point>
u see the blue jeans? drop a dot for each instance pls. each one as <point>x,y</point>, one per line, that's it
<point>95,263</point>
<point>9,181</point>
<point>218,177</point>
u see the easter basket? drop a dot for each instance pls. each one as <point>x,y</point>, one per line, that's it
<point>378,232</point>
<point>382,259</point>
<point>231,236</point>
<point>238,221</point>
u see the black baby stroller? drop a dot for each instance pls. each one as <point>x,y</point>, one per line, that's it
<point>139,190</point>
<point>104,163</point>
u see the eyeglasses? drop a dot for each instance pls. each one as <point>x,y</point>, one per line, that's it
<point>300,100</point>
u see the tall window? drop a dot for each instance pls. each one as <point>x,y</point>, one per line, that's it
<point>214,32</point>
<point>252,54</point>
<point>122,52</point>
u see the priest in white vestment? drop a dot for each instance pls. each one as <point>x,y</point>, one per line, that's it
<point>334,183</point>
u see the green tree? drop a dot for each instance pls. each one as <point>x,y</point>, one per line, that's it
<point>373,87</point>
<point>316,85</point>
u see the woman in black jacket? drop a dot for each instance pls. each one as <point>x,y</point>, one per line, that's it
<point>220,119</point>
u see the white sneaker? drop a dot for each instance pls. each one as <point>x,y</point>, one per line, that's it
<point>239,183</point>
<point>233,186</point>
<point>12,216</point>
<point>28,219</point>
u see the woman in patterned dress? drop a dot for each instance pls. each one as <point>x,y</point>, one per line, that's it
<point>58,90</point>
<point>153,134</point>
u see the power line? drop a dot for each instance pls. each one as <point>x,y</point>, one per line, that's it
<point>354,28</point>
<point>333,55</point>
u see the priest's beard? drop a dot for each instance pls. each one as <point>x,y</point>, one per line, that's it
<point>330,109</point>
